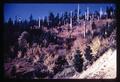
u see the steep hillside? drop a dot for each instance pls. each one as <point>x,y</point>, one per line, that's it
<point>103,68</point>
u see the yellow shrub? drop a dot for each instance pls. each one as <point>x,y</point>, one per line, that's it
<point>95,45</point>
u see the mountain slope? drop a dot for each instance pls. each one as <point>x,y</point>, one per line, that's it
<point>103,68</point>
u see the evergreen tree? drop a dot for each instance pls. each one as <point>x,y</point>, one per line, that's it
<point>31,22</point>
<point>45,22</point>
<point>75,17</point>
<point>93,26</point>
<point>51,20</point>
<point>88,54</point>
<point>66,17</point>
<point>16,23</point>
<point>31,17</point>
<point>61,20</point>
<point>57,20</point>
<point>59,64</point>
<point>25,24</point>
<point>97,14</point>
<point>41,22</point>
<point>10,22</point>
<point>110,10</point>
<point>78,61</point>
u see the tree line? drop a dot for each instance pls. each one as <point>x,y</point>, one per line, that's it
<point>53,20</point>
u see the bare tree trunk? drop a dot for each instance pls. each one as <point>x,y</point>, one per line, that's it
<point>39,22</point>
<point>84,28</point>
<point>78,14</point>
<point>71,20</point>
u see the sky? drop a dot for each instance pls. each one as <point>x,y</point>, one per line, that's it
<point>24,10</point>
